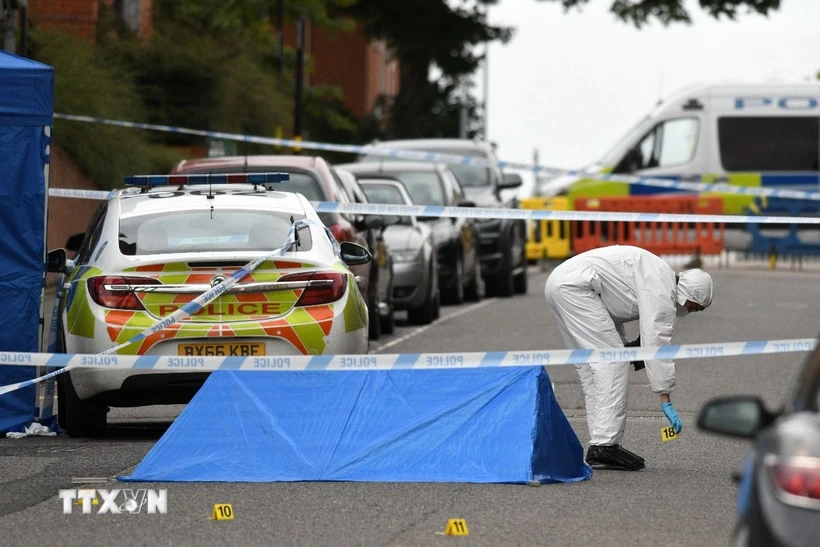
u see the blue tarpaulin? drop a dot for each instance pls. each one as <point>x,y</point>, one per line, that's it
<point>26,110</point>
<point>480,425</point>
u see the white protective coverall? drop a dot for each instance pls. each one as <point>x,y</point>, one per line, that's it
<point>592,295</point>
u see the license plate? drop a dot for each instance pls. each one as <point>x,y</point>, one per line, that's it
<point>222,349</point>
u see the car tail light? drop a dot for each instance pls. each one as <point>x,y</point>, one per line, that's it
<point>116,291</point>
<point>793,462</point>
<point>324,287</point>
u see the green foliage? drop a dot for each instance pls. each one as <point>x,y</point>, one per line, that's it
<point>425,34</point>
<point>84,84</point>
<point>640,12</point>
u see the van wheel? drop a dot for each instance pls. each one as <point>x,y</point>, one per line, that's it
<point>81,418</point>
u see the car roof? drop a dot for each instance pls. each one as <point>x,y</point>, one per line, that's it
<point>234,196</point>
<point>434,144</point>
<point>391,166</point>
<point>239,162</point>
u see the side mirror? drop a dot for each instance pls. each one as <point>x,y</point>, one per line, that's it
<point>510,180</point>
<point>354,254</point>
<point>75,242</point>
<point>737,416</point>
<point>56,261</point>
<point>466,203</point>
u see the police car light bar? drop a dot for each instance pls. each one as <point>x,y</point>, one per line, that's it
<point>228,178</point>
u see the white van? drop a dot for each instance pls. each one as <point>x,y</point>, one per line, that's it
<point>751,135</point>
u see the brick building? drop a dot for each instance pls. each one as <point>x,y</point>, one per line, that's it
<point>82,17</point>
<point>360,66</point>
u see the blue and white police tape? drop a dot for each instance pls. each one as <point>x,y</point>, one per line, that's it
<point>417,155</point>
<point>523,214</point>
<point>404,361</point>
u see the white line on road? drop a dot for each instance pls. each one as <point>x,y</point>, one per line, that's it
<point>438,321</point>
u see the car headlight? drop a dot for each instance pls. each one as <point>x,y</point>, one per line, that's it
<point>407,255</point>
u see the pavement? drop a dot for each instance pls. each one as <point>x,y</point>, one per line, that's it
<point>685,496</point>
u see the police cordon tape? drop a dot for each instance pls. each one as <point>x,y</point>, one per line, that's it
<point>417,155</point>
<point>405,361</point>
<point>490,213</point>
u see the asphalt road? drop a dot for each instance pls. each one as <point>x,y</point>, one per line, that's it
<point>684,497</point>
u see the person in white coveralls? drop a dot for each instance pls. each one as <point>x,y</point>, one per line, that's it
<point>592,295</point>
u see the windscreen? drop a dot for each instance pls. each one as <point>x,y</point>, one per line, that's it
<point>387,194</point>
<point>208,231</point>
<point>424,187</point>
<point>468,176</point>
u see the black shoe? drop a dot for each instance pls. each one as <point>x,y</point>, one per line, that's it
<point>614,457</point>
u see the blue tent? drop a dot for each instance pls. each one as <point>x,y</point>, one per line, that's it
<point>493,425</point>
<point>26,110</point>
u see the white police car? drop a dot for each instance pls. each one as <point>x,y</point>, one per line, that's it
<point>151,249</point>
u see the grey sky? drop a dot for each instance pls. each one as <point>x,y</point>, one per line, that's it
<point>573,84</point>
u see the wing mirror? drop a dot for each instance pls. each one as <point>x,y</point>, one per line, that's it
<point>736,416</point>
<point>56,261</point>
<point>75,242</point>
<point>354,254</point>
<point>466,203</point>
<point>510,180</point>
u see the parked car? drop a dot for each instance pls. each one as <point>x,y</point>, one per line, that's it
<point>779,496</point>
<point>147,253</point>
<point>317,180</point>
<point>415,252</point>
<point>503,241</point>
<point>456,238</point>
<point>382,266</point>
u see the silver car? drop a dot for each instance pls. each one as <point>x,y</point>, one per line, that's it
<point>415,255</point>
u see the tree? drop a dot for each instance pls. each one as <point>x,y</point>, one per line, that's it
<point>430,35</point>
<point>639,12</point>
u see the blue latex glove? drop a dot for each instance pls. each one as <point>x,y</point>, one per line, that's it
<point>672,415</point>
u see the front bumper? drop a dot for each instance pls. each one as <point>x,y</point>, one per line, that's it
<point>411,284</point>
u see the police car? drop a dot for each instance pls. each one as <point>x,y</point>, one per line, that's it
<point>152,248</point>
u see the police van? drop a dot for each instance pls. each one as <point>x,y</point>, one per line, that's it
<point>750,135</point>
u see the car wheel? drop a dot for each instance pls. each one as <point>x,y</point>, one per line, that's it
<point>503,283</point>
<point>455,295</point>
<point>476,288</point>
<point>437,309</point>
<point>82,418</point>
<point>374,323</point>
<point>521,282</point>
<point>389,321</point>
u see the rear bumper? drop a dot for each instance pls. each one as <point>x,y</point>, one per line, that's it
<point>132,387</point>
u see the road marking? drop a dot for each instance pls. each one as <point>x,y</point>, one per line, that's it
<point>438,321</point>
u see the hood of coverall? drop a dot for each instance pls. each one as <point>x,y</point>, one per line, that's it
<point>694,285</point>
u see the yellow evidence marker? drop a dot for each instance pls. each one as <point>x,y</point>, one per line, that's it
<point>668,434</point>
<point>455,527</point>
<point>222,511</point>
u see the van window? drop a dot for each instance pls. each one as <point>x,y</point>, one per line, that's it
<point>670,143</point>
<point>768,143</point>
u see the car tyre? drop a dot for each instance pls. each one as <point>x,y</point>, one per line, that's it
<point>374,323</point>
<point>521,282</point>
<point>503,284</point>
<point>476,289</point>
<point>430,311</point>
<point>80,418</point>
<point>388,321</point>
<point>455,295</point>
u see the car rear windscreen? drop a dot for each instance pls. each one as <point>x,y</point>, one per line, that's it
<point>208,231</point>
<point>424,187</point>
<point>769,143</point>
<point>387,194</point>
